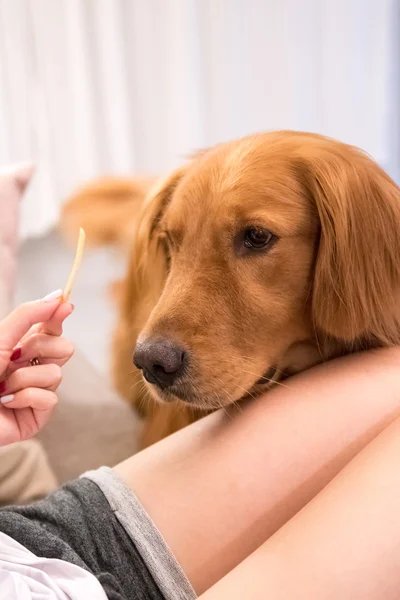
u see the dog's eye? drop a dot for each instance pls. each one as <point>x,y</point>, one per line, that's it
<point>257,238</point>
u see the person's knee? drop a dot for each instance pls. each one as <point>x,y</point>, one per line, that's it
<point>25,473</point>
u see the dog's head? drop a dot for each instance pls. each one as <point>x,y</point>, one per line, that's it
<point>260,258</point>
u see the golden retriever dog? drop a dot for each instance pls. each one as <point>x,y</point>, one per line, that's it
<point>257,259</point>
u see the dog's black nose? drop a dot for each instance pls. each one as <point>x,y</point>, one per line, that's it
<point>161,361</point>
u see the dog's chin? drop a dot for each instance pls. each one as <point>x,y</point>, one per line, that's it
<point>161,396</point>
<point>181,395</point>
<point>203,400</point>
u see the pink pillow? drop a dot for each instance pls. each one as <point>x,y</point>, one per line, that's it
<point>13,181</point>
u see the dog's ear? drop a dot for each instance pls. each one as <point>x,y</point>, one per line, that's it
<point>357,272</point>
<point>148,262</point>
<point>140,290</point>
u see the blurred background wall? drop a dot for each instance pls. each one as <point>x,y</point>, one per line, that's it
<point>90,87</point>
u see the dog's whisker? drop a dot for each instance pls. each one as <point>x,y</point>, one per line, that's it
<point>237,384</point>
<point>143,399</point>
<point>247,392</point>
<point>266,379</point>
<point>227,413</point>
<point>281,372</point>
<point>219,403</point>
<point>143,403</point>
<point>236,404</point>
<point>249,358</point>
<point>233,402</point>
<point>275,382</point>
<point>224,390</point>
<point>257,375</point>
<point>136,385</point>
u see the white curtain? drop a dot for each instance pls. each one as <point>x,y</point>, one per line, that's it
<point>90,87</point>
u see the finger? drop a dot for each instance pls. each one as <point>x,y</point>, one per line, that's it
<point>40,376</point>
<point>20,320</point>
<point>23,423</point>
<point>54,325</point>
<point>47,348</point>
<point>32,397</point>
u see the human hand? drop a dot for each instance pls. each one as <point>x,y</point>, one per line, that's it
<point>27,393</point>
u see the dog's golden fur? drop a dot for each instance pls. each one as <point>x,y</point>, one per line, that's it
<point>104,208</point>
<point>328,286</point>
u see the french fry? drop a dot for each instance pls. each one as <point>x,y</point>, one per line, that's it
<point>75,267</point>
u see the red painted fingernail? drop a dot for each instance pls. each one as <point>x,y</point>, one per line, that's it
<point>3,385</point>
<point>16,354</point>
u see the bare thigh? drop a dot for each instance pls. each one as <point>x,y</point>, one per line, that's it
<point>221,487</point>
<point>345,544</point>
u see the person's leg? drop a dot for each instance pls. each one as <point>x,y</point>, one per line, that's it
<point>344,544</point>
<point>221,487</point>
<point>25,473</point>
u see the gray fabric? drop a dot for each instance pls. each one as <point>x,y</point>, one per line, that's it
<point>154,550</point>
<point>76,524</point>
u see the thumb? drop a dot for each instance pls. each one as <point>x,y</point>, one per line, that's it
<point>54,326</point>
